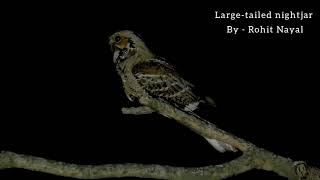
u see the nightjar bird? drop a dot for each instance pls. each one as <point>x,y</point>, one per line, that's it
<point>145,74</point>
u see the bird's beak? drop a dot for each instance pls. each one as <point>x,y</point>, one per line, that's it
<point>119,52</point>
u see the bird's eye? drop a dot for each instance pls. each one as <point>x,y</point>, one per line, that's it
<point>117,39</point>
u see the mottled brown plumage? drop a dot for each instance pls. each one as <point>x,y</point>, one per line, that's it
<point>146,76</point>
<point>160,80</point>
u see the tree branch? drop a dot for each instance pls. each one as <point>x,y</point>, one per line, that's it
<point>137,110</point>
<point>201,127</point>
<point>252,158</point>
<point>13,160</point>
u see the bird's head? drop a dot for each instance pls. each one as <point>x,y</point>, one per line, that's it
<point>125,44</point>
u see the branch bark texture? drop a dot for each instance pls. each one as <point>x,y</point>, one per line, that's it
<point>252,158</point>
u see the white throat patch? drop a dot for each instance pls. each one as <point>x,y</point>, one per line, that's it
<point>115,56</point>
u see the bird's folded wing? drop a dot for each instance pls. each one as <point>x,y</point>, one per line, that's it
<point>160,80</point>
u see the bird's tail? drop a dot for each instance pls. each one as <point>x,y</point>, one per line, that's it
<point>206,109</point>
<point>221,146</point>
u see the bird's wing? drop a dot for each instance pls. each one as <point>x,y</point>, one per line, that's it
<point>160,80</point>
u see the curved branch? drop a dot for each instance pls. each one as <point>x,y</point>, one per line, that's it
<point>13,160</point>
<point>252,158</point>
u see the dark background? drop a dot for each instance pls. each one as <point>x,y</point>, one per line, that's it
<point>61,96</point>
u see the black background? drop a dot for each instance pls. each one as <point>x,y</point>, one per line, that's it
<point>61,96</point>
